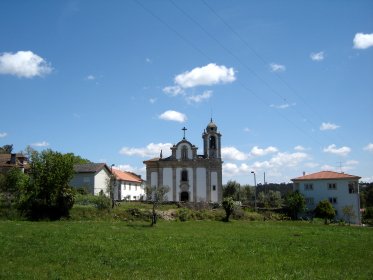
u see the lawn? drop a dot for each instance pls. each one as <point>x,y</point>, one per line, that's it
<point>189,250</point>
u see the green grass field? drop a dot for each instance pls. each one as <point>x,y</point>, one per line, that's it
<point>189,250</point>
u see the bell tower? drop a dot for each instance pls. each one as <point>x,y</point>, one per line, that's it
<point>211,141</point>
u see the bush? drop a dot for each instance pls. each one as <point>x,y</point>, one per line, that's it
<point>238,213</point>
<point>101,202</point>
<point>324,210</point>
<point>183,214</point>
<point>368,216</point>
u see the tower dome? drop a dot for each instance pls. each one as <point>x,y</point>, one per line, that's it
<point>211,126</point>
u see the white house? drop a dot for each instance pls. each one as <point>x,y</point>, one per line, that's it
<point>94,177</point>
<point>127,186</point>
<point>339,189</point>
<point>190,177</point>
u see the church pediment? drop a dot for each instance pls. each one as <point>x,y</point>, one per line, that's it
<point>184,150</point>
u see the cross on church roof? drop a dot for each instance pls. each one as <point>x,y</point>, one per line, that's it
<point>184,131</point>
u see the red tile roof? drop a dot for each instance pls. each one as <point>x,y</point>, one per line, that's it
<point>325,175</point>
<point>126,176</point>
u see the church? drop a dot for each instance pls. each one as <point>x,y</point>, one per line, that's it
<point>190,176</point>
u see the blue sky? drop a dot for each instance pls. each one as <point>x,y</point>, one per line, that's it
<point>288,83</point>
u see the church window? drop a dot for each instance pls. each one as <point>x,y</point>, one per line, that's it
<point>214,188</point>
<point>184,175</point>
<point>184,152</point>
<point>212,142</point>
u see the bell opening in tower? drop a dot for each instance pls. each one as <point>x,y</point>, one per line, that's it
<point>212,142</point>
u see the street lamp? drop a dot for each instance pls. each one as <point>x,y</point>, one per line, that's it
<point>254,190</point>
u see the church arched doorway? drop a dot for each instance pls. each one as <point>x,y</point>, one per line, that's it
<point>184,196</point>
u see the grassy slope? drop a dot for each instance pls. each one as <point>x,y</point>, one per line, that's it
<point>190,250</point>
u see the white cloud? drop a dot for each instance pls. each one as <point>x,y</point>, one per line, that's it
<point>282,106</point>
<point>328,126</point>
<point>363,41</point>
<point>286,159</point>
<point>40,144</point>
<point>208,75</point>
<point>148,60</point>
<point>299,148</point>
<point>327,167</point>
<point>317,56</point>
<point>230,169</point>
<point>3,134</point>
<point>90,78</point>
<point>369,147</point>
<point>173,90</point>
<point>366,179</point>
<point>351,162</point>
<point>277,67</point>
<point>311,164</point>
<point>199,98</point>
<point>24,64</point>
<point>151,150</point>
<point>332,149</point>
<point>281,160</point>
<point>171,115</point>
<point>256,151</point>
<point>231,153</point>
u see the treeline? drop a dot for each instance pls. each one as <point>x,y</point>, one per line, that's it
<point>265,196</point>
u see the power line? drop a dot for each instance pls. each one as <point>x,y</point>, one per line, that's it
<point>264,61</point>
<point>239,60</point>
<point>260,98</point>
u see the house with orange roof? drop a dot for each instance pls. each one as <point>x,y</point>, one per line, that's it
<point>128,185</point>
<point>340,189</point>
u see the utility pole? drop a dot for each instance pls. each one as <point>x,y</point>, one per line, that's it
<point>254,190</point>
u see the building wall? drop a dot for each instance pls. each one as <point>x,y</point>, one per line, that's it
<point>179,149</point>
<point>154,179</point>
<point>130,190</point>
<point>83,180</point>
<point>214,182</point>
<point>168,181</point>
<point>101,182</point>
<point>201,184</point>
<point>343,198</point>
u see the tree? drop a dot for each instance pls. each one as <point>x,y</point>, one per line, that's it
<point>245,194</point>
<point>274,199</point>
<point>10,185</point>
<point>294,204</point>
<point>348,212</point>
<point>263,200</point>
<point>14,181</point>
<point>369,197</point>
<point>231,189</point>
<point>228,205</point>
<point>324,210</point>
<point>157,195</point>
<point>110,186</point>
<point>48,195</point>
<point>6,149</point>
<point>78,159</point>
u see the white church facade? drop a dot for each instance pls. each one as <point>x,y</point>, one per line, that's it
<point>189,176</point>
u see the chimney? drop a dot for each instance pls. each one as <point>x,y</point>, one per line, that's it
<point>12,158</point>
<point>304,173</point>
